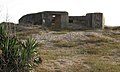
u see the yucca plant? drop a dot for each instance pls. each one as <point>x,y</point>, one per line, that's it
<point>28,49</point>
<point>15,55</point>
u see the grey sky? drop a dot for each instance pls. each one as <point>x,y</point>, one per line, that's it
<point>18,8</point>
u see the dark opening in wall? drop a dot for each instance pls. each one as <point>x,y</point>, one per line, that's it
<point>56,21</point>
<point>70,21</point>
<point>53,18</point>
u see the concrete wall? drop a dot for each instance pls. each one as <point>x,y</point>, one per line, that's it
<point>61,20</point>
<point>77,22</point>
<point>95,20</point>
<point>90,21</point>
<point>35,18</point>
<point>55,19</point>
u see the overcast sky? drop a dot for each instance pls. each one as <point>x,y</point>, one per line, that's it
<point>18,8</point>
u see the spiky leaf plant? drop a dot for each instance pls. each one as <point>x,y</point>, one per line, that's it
<point>15,56</point>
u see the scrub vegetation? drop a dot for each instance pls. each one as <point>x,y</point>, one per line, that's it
<point>69,51</point>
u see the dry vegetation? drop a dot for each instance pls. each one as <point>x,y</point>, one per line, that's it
<point>76,51</point>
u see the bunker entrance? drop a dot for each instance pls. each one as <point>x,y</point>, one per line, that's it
<point>56,21</point>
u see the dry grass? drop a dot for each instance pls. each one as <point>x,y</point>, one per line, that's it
<point>65,44</point>
<point>89,52</point>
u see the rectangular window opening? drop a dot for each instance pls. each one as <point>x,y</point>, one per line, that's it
<point>70,21</point>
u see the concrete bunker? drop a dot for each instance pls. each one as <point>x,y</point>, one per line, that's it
<point>57,20</point>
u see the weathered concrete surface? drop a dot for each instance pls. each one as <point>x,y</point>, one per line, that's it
<point>57,20</point>
<point>95,20</point>
<point>34,18</point>
<point>77,22</point>
<point>90,21</point>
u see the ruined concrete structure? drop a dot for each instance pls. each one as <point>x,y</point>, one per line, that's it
<point>61,20</point>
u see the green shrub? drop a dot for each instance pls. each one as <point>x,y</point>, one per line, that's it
<point>15,55</point>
